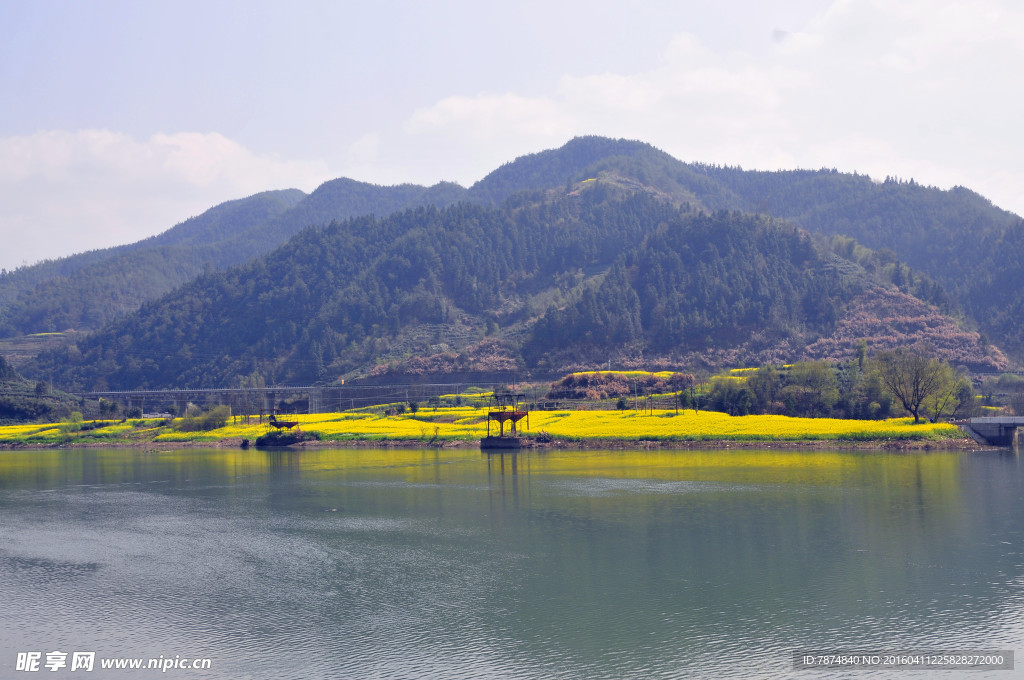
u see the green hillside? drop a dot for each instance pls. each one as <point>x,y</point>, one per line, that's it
<point>560,259</point>
<point>631,164</point>
<point>549,282</point>
<point>86,291</point>
<point>22,400</point>
<point>957,237</point>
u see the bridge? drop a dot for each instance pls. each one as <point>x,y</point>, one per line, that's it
<point>997,431</point>
<point>267,400</point>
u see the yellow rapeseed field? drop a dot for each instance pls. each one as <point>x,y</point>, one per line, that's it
<point>710,425</point>
<point>468,423</point>
<point>58,433</point>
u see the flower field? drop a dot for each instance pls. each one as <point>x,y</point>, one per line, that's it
<point>470,423</point>
<point>710,425</point>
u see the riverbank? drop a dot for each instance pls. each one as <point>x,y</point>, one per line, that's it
<point>465,426</point>
<point>962,444</point>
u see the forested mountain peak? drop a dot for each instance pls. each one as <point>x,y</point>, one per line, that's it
<point>211,225</point>
<point>90,289</point>
<point>223,221</point>
<point>924,226</point>
<point>341,198</point>
<point>556,167</point>
<point>560,280</point>
<point>599,248</point>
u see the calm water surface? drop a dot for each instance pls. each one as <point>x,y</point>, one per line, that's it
<point>453,564</point>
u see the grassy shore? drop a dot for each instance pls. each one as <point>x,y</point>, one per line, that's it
<point>466,425</point>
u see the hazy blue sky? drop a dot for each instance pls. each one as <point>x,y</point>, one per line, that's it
<point>120,119</point>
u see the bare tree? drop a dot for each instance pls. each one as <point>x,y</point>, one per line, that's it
<point>912,378</point>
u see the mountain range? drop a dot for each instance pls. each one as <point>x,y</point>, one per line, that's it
<point>599,251</point>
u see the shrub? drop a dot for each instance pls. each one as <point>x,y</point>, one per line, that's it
<point>17,408</point>
<point>212,419</point>
<point>1008,382</point>
<point>108,409</point>
<point>74,423</point>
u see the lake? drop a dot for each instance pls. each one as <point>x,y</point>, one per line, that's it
<point>549,564</point>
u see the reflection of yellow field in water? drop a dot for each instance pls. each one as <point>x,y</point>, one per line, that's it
<point>908,479</point>
<point>747,466</point>
<point>468,423</point>
<point>735,466</point>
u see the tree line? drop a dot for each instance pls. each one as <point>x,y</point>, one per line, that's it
<point>886,385</point>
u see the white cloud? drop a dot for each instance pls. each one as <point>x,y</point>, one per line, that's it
<point>64,192</point>
<point>462,138</point>
<point>488,115</point>
<point>918,88</point>
<point>366,148</point>
<point>610,92</point>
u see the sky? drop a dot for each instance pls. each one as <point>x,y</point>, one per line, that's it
<point>120,119</point>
